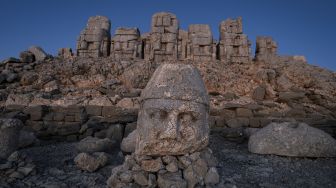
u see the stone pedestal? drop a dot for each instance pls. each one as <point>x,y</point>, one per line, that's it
<point>196,169</point>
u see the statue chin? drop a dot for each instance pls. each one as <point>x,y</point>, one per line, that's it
<point>171,147</point>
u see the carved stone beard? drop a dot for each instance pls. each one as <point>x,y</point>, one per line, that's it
<point>171,127</point>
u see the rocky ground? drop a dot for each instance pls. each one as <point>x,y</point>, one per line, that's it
<point>237,167</point>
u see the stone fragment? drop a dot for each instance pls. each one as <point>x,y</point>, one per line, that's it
<point>244,112</point>
<point>115,132</point>
<point>92,162</point>
<point>169,179</point>
<point>9,136</point>
<point>153,165</point>
<point>27,57</point>
<point>212,176</point>
<point>292,139</point>
<point>140,178</point>
<point>93,144</point>
<point>129,142</point>
<point>95,39</point>
<point>173,90</point>
<point>39,53</point>
<point>259,93</point>
<point>172,167</point>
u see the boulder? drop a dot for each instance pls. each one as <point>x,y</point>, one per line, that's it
<point>91,163</point>
<point>38,52</point>
<point>292,139</point>
<point>27,57</point>
<point>93,144</point>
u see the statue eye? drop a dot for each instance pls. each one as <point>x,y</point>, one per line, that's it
<point>187,117</point>
<point>157,114</point>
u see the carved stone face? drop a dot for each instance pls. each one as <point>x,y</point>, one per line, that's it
<point>172,127</point>
<point>173,120</point>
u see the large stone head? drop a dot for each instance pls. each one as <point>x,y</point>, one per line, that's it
<point>173,117</point>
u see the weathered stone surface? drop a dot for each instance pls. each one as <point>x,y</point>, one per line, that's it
<point>152,165</point>
<point>266,50</point>
<point>161,43</point>
<point>233,45</point>
<point>212,176</point>
<point>92,162</point>
<point>200,45</point>
<point>39,53</point>
<point>292,139</point>
<point>170,179</point>
<point>174,115</point>
<point>259,93</point>
<point>93,144</point>
<point>126,44</point>
<point>9,136</point>
<point>129,142</point>
<point>95,39</point>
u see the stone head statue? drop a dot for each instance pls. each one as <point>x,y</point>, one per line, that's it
<point>173,117</point>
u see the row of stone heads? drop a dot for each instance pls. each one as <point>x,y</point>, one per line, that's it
<point>166,41</point>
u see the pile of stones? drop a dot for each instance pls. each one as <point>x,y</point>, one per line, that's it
<point>196,169</point>
<point>16,167</point>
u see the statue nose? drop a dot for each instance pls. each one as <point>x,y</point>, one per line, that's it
<point>171,128</point>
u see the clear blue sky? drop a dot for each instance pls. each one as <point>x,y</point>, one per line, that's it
<point>301,27</point>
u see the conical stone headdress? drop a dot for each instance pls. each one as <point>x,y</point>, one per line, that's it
<point>177,82</point>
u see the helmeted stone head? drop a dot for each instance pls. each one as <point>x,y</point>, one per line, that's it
<point>173,117</point>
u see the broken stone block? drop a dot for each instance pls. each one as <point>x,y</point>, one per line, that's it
<point>91,162</point>
<point>95,39</point>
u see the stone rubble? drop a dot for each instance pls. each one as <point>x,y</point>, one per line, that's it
<point>16,167</point>
<point>190,170</point>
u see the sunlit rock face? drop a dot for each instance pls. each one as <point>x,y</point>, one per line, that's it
<point>173,118</point>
